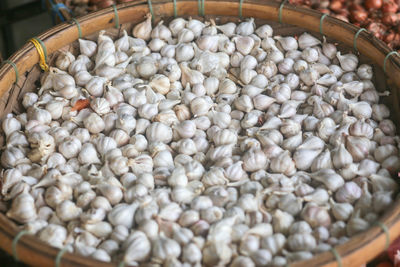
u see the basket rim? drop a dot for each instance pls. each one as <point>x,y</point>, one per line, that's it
<point>373,240</point>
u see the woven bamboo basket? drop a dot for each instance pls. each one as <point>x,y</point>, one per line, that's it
<point>286,20</point>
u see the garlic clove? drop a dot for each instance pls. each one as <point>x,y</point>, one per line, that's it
<point>138,247</point>
<point>23,209</point>
<point>246,28</point>
<point>227,29</point>
<point>348,62</point>
<point>87,47</point>
<point>329,178</point>
<point>244,44</point>
<point>143,29</point>
<point>307,40</point>
<point>161,31</point>
<point>304,158</point>
<point>341,157</point>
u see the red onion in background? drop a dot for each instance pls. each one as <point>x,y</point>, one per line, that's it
<point>380,17</point>
<point>373,4</point>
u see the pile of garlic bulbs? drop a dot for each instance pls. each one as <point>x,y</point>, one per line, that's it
<point>195,144</point>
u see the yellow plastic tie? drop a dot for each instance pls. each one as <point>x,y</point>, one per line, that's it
<point>15,242</point>
<point>41,48</point>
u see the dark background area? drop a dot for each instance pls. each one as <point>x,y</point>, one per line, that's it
<point>20,20</point>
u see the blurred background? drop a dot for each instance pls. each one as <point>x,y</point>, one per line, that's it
<point>22,19</point>
<point>19,21</point>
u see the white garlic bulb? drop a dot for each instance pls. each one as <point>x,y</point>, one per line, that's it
<point>68,211</point>
<point>94,123</point>
<point>70,147</point>
<point>341,157</point>
<point>10,125</point>
<point>307,40</point>
<point>138,247</point>
<point>164,247</point>
<point>159,132</point>
<point>23,208</point>
<point>122,214</point>
<point>348,62</point>
<point>244,44</point>
<point>100,105</point>
<point>283,164</point>
<point>87,47</point>
<point>200,106</point>
<point>161,31</point>
<point>329,178</point>
<point>54,235</point>
<point>143,30</point>
<point>254,160</point>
